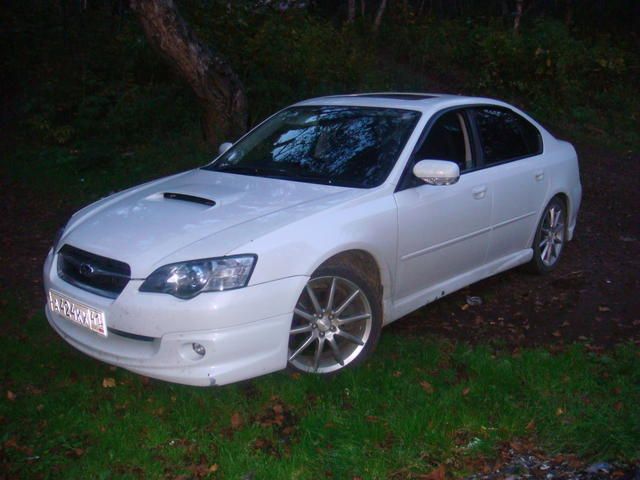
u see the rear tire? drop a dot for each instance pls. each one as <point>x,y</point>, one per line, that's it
<point>550,238</point>
<point>336,323</point>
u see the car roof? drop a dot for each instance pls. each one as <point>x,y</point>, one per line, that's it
<point>405,100</point>
<point>426,103</point>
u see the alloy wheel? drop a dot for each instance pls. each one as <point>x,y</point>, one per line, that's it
<point>331,325</point>
<point>552,235</point>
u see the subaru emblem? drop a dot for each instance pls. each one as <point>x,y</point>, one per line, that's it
<point>86,269</point>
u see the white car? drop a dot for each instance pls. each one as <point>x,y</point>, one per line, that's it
<point>295,246</point>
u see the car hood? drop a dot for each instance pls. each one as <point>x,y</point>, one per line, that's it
<point>145,224</point>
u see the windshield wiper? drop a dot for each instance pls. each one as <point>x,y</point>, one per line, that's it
<point>281,173</point>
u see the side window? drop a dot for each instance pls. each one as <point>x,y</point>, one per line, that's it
<point>505,135</point>
<point>448,139</point>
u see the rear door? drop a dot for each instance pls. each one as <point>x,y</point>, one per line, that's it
<point>511,150</point>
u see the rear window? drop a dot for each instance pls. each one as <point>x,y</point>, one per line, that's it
<point>505,135</point>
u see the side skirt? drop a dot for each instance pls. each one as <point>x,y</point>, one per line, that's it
<point>408,304</point>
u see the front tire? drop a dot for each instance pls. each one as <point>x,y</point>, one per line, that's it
<point>336,322</point>
<point>550,237</point>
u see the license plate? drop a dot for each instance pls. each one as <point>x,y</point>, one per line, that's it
<point>78,312</point>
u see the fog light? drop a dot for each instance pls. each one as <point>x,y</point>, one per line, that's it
<point>199,349</point>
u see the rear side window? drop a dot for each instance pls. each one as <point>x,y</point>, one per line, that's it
<point>505,135</point>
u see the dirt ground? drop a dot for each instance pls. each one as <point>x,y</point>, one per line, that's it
<point>593,297</point>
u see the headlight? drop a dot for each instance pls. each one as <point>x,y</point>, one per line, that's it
<point>188,279</point>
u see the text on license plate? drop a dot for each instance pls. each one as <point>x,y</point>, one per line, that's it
<point>78,312</point>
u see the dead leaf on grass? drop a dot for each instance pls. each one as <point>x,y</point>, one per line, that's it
<point>437,474</point>
<point>108,382</point>
<point>236,421</point>
<point>11,396</point>
<point>426,386</point>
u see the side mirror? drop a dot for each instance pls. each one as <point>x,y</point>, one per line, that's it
<point>437,172</point>
<point>224,147</point>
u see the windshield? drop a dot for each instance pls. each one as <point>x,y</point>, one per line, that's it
<point>334,145</point>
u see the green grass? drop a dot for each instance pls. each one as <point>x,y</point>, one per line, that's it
<point>59,421</point>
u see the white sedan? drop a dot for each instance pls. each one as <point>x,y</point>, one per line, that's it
<point>298,243</point>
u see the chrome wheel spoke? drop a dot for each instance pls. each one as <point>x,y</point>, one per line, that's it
<point>307,316</point>
<point>314,299</point>
<point>316,357</point>
<point>351,338</point>
<point>301,329</point>
<point>301,348</point>
<point>346,303</point>
<point>355,318</point>
<point>336,351</point>
<point>332,294</point>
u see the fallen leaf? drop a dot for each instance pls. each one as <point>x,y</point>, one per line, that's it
<point>559,411</point>
<point>397,373</point>
<point>236,421</point>
<point>213,468</point>
<point>437,474</point>
<point>11,396</point>
<point>557,333</point>
<point>426,386</point>
<point>531,425</point>
<point>466,391</point>
<point>108,382</point>
<point>617,406</point>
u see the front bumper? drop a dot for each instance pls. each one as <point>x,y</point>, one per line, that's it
<point>245,332</point>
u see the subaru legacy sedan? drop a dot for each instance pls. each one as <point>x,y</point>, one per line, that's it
<point>299,242</point>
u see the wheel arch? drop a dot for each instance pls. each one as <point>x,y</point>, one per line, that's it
<point>370,266</point>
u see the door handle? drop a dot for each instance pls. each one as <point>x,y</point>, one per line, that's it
<point>539,176</point>
<point>479,192</point>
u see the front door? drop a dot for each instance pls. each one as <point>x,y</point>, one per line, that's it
<point>443,231</point>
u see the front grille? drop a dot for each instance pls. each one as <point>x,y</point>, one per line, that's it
<point>94,273</point>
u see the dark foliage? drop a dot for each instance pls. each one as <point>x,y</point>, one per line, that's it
<point>79,75</point>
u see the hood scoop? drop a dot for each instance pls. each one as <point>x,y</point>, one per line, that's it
<point>189,198</point>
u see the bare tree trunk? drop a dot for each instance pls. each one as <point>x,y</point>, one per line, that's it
<point>405,8</point>
<point>379,15</point>
<point>518,16</point>
<point>212,79</point>
<point>568,16</point>
<point>351,11</point>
